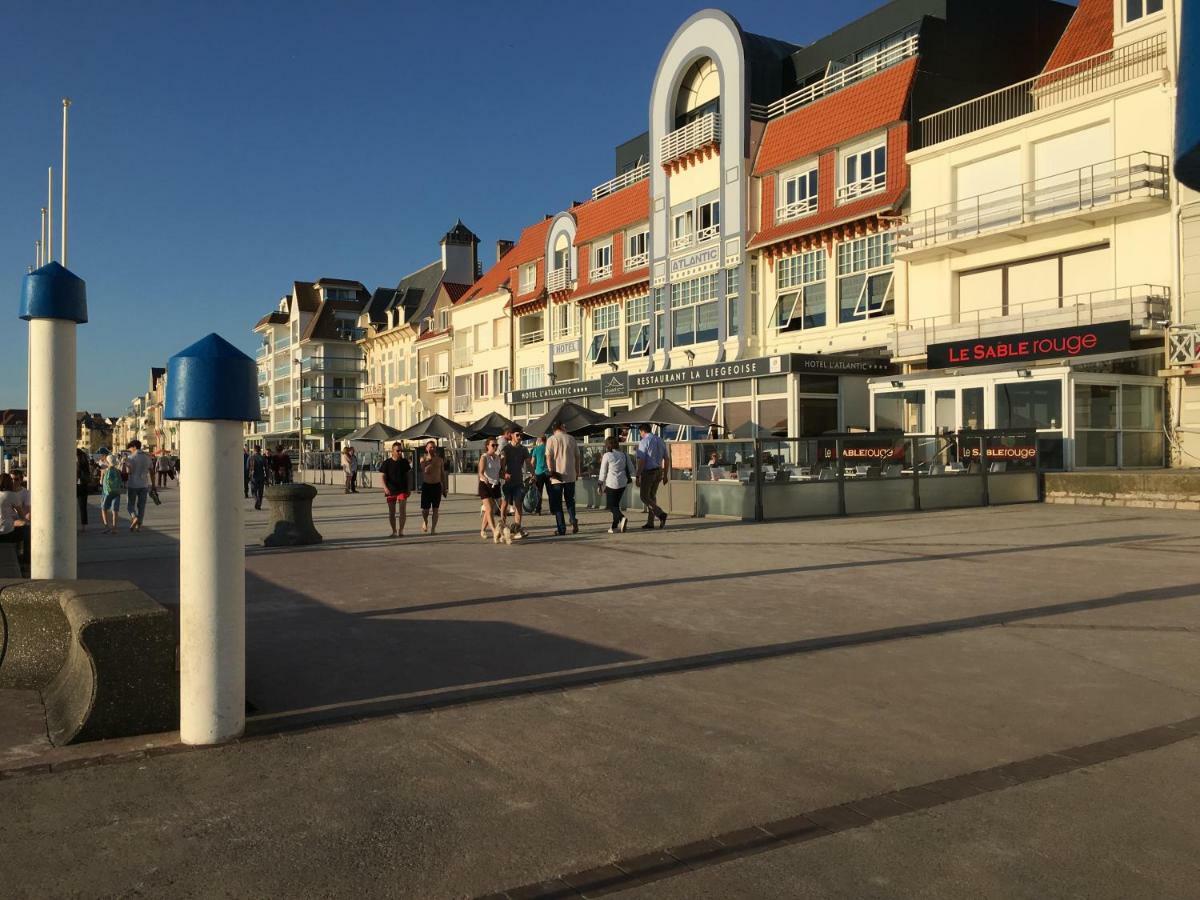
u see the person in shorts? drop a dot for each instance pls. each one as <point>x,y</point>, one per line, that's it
<point>489,493</point>
<point>434,486</point>
<point>395,471</point>
<point>514,461</point>
<point>111,489</point>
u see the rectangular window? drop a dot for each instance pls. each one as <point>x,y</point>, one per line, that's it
<point>733,305</point>
<point>683,230</point>
<point>528,278</point>
<point>533,377</point>
<point>1138,9</point>
<point>637,325</point>
<point>500,332</point>
<point>601,261</point>
<point>864,171</point>
<point>481,337</point>
<point>1029,404</point>
<point>800,281</point>
<point>660,318</point>
<point>900,411</point>
<point>500,380</point>
<point>708,221</point>
<point>606,334</point>
<point>637,249</point>
<point>694,310</point>
<point>797,196</point>
<point>865,278</point>
<point>481,384</point>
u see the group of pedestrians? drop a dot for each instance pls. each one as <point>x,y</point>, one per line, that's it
<point>261,467</point>
<point>132,478</point>
<point>396,474</point>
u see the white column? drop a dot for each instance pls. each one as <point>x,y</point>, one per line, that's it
<point>52,448</point>
<point>212,584</point>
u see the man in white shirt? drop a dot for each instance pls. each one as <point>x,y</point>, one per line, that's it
<point>563,462</point>
<point>137,484</point>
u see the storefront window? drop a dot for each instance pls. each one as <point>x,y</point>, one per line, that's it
<point>1142,441</point>
<point>737,418</point>
<point>739,388</point>
<point>772,384</point>
<point>676,395</point>
<point>773,418</point>
<point>972,408</point>
<point>818,384</point>
<point>694,314</point>
<point>900,411</point>
<point>943,411</point>
<point>1029,404</point>
<point>1096,425</point>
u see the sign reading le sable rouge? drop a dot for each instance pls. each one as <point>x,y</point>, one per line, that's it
<point>1080,340</point>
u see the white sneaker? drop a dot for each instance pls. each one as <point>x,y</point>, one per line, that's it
<point>612,531</point>
<point>624,522</point>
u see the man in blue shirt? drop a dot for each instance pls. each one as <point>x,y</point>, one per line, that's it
<point>653,466</point>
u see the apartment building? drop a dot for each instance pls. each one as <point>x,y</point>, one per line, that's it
<point>481,327</point>
<point>94,432</point>
<point>1040,254</point>
<point>14,438</point>
<point>311,366</point>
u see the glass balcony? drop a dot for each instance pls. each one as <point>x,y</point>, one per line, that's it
<point>329,392</point>
<point>334,425</point>
<point>350,364</point>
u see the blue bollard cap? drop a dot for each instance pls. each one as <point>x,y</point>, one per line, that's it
<point>1187,107</point>
<point>53,292</point>
<point>212,380</point>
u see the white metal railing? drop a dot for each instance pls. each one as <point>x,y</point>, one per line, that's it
<point>531,337</point>
<point>439,381</point>
<point>462,356</point>
<point>558,280</point>
<point>795,210</point>
<point>624,180</point>
<point>462,403</point>
<point>1066,83</point>
<point>1183,345</point>
<point>692,136</point>
<point>1137,176</point>
<point>600,272</point>
<point>842,78</point>
<point>636,262</point>
<point>708,234</point>
<point>862,187</point>
<point>1142,305</point>
<point>682,242</point>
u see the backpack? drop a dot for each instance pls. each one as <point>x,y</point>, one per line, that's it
<point>111,483</point>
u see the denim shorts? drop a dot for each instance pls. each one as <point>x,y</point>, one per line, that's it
<point>110,502</point>
<point>514,490</point>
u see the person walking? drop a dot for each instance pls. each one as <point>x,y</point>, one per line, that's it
<point>83,481</point>
<point>162,468</point>
<point>111,487</point>
<point>514,462</point>
<point>434,485</point>
<point>14,522</point>
<point>563,464</point>
<point>539,470</point>
<point>489,493</point>
<point>281,465</point>
<point>615,472</point>
<point>395,472</point>
<point>258,469</point>
<point>350,470</point>
<point>246,471</point>
<point>137,484</point>
<point>653,466</point>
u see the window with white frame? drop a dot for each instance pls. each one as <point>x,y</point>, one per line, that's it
<point>708,221</point>
<point>864,170</point>
<point>528,278</point>
<point>481,384</point>
<point>601,260</point>
<point>660,318</point>
<point>733,305</point>
<point>443,319</point>
<point>1139,9</point>
<point>797,195</point>
<point>637,248</point>
<point>683,231</point>
<point>800,286</point>
<point>606,334</point>
<point>865,277</point>
<point>500,380</point>
<point>694,315</point>
<point>533,377</point>
<point>563,321</point>
<point>637,326</point>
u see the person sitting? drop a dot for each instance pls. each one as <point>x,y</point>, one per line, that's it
<point>715,470</point>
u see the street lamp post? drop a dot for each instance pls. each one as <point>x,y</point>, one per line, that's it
<point>300,415</point>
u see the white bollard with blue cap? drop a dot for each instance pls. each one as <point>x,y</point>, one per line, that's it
<point>212,388</point>
<point>54,303</point>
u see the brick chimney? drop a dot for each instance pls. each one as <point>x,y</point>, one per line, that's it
<point>503,247</point>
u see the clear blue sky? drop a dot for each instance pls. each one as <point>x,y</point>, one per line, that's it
<point>220,151</point>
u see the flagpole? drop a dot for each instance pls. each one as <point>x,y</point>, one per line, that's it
<point>66,105</point>
<point>49,253</point>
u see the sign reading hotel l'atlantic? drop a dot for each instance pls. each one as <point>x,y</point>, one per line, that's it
<point>1057,343</point>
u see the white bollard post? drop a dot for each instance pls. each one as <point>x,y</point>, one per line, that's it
<point>211,390</point>
<point>54,302</point>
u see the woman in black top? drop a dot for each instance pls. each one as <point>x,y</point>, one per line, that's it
<point>83,482</point>
<point>395,471</point>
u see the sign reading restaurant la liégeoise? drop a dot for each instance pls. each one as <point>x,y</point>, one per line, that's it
<point>1056,343</point>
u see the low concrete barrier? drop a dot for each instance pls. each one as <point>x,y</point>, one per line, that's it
<point>291,521</point>
<point>1158,489</point>
<point>102,653</point>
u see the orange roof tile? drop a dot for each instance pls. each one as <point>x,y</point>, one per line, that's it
<point>859,109</point>
<point>455,291</point>
<point>597,218</point>
<point>530,247</point>
<point>1089,32</point>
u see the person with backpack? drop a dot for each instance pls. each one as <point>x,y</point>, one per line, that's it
<point>258,470</point>
<point>111,488</point>
<point>615,473</point>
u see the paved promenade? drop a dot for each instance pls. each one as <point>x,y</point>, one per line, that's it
<point>720,710</point>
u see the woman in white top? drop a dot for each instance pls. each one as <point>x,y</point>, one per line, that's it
<point>615,472</point>
<point>13,527</point>
<point>489,492</point>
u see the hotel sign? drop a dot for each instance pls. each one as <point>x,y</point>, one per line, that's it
<point>706,260</point>
<point>557,392</point>
<point>1056,343</point>
<point>565,348</point>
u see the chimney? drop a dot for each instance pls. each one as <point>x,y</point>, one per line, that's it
<point>503,247</point>
<point>460,255</point>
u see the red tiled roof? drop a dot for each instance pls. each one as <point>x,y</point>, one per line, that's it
<point>429,335</point>
<point>530,248</point>
<point>859,109</point>
<point>829,212</point>
<point>597,218</point>
<point>587,291</point>
<point>1089,32</point>
<point>491,281</point>
<point>456,291</point>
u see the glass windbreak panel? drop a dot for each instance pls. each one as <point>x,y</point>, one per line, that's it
<point>900,411</point>
<point>1143,449</point>
<point>972,408</point>
<point>870,455</point>
<point>740,388</point>
<point>1141,407</point>
<point>773,417</point>
<point>943,411</point>
<point>726,461</point>
<point>1029,404</point>
<point>1095,448</point>
<point>1096,406</point>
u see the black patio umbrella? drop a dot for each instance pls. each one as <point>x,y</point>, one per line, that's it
<point>657,412</point>
<point>491,425</point>
<point>436,426</point>
<point>576,419</point>
<point>377,433</point>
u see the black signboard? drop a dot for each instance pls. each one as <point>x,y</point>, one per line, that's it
<point>557,391</point>
<point>817,364</point>
<point>1056,343</point>
<point>614,385</point>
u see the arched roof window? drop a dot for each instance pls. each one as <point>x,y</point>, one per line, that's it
<point>699,92</point>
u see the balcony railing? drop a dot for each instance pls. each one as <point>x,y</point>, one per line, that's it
<point>373,392</point>
<point>462,403</point>
<point>790,211</point>
<point>637,261</point>
<point>439,381</point>
<point>842,78</point>
<point>565,332</point>
<point>283,399</point>
<point>624,180</point>
<point>263,376</point>
<point>282,344</point>
<point>1183,345</point>
<point>1137,176</point>
<point>337,425</point>
<point>862,187</point>
<point>1053,88</point>
<point>263,351</point>
<point>712,232</point>
<point>531,337</point>
<point>462,356</point>
<point>332,364</point>
<point>692,136</point>
<point>320,392</point>
<point>283,371</point>
<point>682,242</point>
<point>1144,306</point>
<point>558,280</point>
<point>599,273</point>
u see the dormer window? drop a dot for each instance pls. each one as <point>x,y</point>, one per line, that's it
<point>863,170</point>
<point>797,194</point>
<point>1136,10</point>
<point>528,278</point>
<point>443,319</point>
<point>332,293</point>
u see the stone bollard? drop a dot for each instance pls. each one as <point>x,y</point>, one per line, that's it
<point>291,520</point>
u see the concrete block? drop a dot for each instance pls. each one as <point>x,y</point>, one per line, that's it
<point>1189,505</point>
<point>291,520</point>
